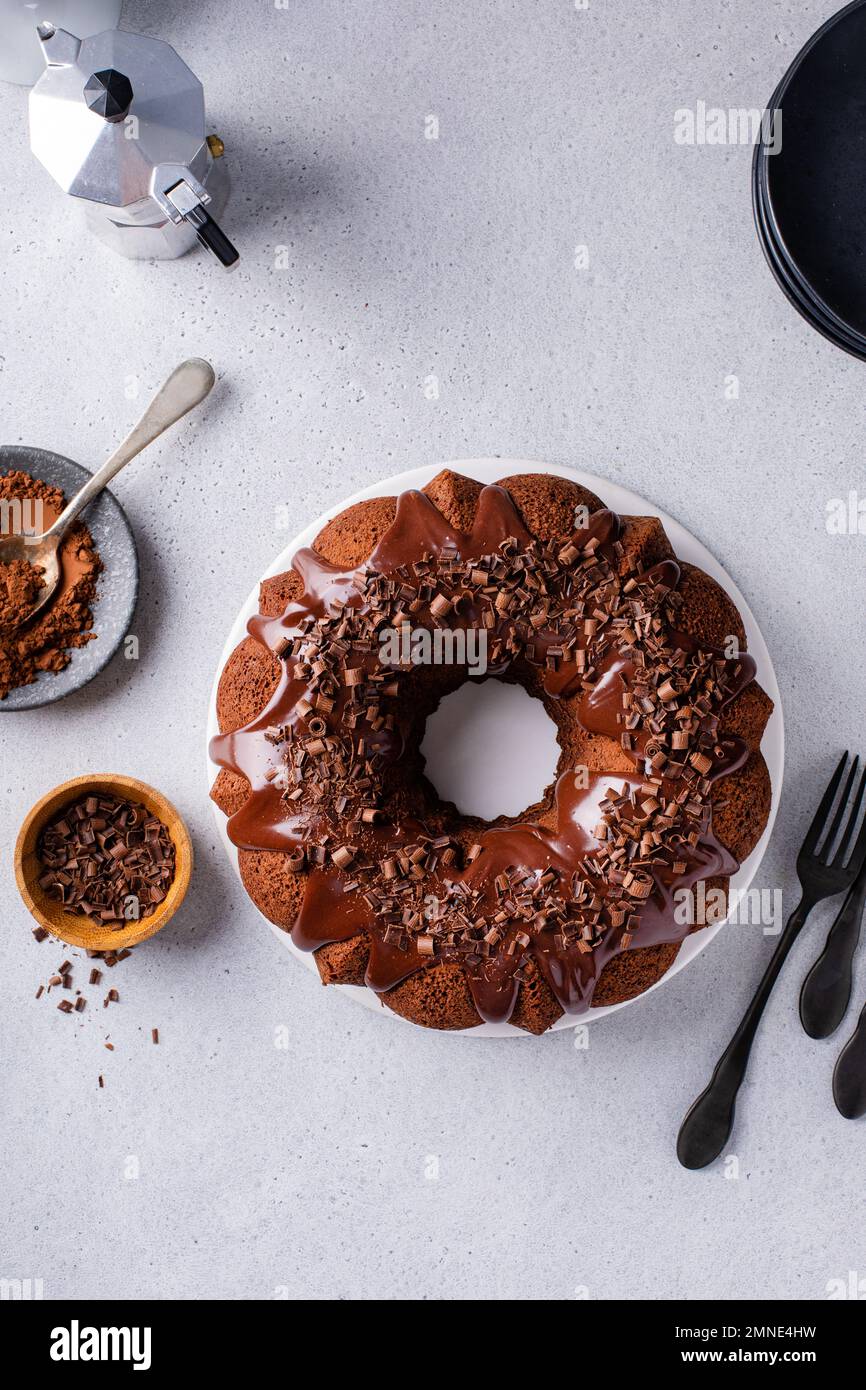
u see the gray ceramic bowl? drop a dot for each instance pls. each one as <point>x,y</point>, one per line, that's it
<point>117,590</point>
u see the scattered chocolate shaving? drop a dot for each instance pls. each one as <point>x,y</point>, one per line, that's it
<point>572,609</point>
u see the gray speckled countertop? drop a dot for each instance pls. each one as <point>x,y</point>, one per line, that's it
<point>277,1141</point>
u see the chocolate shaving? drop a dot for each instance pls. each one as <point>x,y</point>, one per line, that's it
<point>107,859</point>
<point>569,608</point>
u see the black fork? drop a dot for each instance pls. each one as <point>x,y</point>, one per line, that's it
<point>707,1125</point>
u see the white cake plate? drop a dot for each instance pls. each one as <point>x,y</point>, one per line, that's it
<point>686,546</point>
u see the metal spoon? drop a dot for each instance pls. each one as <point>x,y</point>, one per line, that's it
<point>186,387</point>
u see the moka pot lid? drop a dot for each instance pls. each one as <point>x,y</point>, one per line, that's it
<point>111,108</point>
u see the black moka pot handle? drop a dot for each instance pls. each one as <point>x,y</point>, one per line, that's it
<point>212,236</point>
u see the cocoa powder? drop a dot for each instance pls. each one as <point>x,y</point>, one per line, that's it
<point>45,642</point>
<point>20,583</point>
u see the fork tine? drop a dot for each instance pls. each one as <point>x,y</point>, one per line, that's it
<point>858,854</point>
<point>823,810</point>
<point>840,814</point>
<point>852,821</point>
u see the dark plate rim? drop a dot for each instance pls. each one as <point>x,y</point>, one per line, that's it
<point>838,328</point>
<point>808,308</point>
<point>41,689</point>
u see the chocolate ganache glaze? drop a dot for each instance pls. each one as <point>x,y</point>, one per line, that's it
<point>608,874</point>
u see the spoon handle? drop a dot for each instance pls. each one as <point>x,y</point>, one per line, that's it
<point>827,987</point>
<point>849,1077</point>
<point>185,388</point>
<point>705,1130</point>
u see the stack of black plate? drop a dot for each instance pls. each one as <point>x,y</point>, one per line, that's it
<point>809,181</point>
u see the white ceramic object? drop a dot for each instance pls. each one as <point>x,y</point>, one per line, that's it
<point>21,57</point>
<point>686,546</point>
<point>468,732</point>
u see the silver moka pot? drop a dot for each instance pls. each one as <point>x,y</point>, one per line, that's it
<point>118,120</point>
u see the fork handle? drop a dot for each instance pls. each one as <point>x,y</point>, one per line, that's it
<point>705,1130</point>
<point>827,987</point>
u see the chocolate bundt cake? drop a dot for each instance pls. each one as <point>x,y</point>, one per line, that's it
<point>585,898</point>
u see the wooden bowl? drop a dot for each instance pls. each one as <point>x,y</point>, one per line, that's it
<point>76,928</point>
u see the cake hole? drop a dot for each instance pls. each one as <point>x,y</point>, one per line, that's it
<point>491,749</point>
